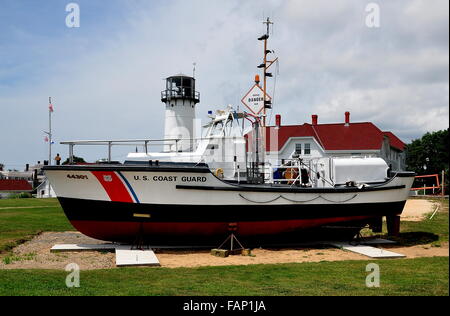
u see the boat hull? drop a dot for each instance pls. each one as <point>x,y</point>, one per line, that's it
<point>117,221</point>
<point>123,204</point>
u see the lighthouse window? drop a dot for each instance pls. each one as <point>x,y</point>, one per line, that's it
<point>298,149</point>
<point>307,149</point>
<point>177,81</point>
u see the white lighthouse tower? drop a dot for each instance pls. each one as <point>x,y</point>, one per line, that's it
<point>180,99</point>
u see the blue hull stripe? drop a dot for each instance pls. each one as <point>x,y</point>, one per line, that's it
<point>129,187</point>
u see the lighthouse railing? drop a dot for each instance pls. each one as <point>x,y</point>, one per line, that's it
<point>179,93</point>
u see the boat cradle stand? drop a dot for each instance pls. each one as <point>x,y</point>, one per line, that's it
<point>232,239</point>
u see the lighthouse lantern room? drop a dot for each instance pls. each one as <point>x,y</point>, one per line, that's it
<point>180,99</point>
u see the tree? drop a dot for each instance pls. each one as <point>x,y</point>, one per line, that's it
<point>2,166</point>
<point>76,160</point>
<point>429,154</point>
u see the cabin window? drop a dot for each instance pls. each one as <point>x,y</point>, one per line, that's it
<point>298,149</point>
<point>212,146</point>
<point>307,149</point>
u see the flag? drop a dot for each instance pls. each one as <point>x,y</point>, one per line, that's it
<point>46,139</point>
<point>50,107</point>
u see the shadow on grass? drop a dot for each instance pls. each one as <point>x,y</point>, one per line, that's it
<point>414,238</point>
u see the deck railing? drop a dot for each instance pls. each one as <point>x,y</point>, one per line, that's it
<point>145,143</point>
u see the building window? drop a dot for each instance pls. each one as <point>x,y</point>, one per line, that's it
<point>298,149</point>
<point>307,149</point>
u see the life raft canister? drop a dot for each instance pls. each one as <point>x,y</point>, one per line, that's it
<point>290,174</point>
<point>219,173</point>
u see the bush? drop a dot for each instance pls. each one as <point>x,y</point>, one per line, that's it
<point>23,195</point>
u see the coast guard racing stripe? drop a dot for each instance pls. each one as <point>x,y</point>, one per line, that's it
<point>116,186</point>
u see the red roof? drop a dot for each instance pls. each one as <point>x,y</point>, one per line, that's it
<point>14,185</point>
<point>340,136</point>
<point>354,136</point>
<point>395,141</point>
<point>284,133</point>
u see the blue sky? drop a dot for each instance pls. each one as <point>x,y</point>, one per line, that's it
<point>34,36</point>
<point>106,76</point>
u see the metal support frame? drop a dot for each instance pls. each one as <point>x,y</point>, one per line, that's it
<point>232,238</point>
<point>71,153</point>
<point>139,241</point>
<point>109,151</point>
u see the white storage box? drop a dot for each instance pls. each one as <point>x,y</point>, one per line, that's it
<point>360,170</point>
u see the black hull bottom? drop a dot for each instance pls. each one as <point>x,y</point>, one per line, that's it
<point>199,224</point>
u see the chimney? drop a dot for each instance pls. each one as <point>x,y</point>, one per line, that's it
<point>315,118</point>
<point>278,120</point>
<point>347,118</point>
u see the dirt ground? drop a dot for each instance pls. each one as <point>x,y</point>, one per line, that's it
<point>267,256</point>
<point>36,254</point>
<point>416,210</point>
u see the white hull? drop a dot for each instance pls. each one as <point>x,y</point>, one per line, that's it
<point>116,202</point>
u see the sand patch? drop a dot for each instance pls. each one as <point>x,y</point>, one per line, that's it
<point>36,254</point>
<point>416,210</point>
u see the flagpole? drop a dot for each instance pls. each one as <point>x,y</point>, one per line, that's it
<point>50,131</point>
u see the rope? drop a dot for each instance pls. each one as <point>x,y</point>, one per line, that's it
<point>340,201</point>
<point>300,201</point>
<point>295,201</point>
<point>259,201</point>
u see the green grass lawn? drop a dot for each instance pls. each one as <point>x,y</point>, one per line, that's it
<point>438,226</point>
<point>428,231</point>
<point>22,219</point>
<point>422,276</point>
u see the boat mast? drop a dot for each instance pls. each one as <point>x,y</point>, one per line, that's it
<point>266,64</point>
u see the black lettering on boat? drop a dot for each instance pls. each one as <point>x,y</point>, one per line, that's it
<point>164,178</point>
<point>77,176</point>
<point>193,179</point>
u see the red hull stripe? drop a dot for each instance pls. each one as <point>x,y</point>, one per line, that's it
<point>124,230</point>
<point>113,186</point>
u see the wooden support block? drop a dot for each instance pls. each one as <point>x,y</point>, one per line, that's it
<point>220,253</point>
<point>235,252</point>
